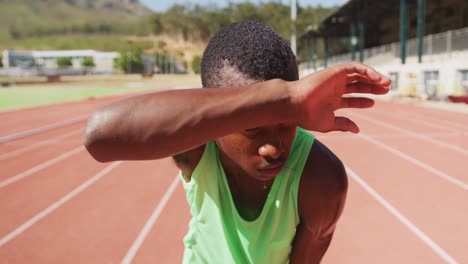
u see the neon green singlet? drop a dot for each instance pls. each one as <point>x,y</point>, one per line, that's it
<point>218,234</point>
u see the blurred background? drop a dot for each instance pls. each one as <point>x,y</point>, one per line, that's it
<point>417,43</point>
<point>83,42</point>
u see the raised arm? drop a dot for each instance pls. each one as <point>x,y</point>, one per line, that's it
<point>166,123</point>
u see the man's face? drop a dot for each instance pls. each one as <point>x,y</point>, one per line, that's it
<point>260,153</point>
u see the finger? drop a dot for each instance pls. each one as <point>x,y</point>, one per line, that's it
<point>355,77</point>
<point>356,67</point>
<point>365,87</point>
<point>385,81</point>
<point>356,102</point>
<point>367,71</point>
<point>345,124</point>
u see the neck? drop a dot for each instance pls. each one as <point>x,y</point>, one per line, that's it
<point>248,193</point>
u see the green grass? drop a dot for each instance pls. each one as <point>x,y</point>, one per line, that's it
<point>18,97</point>
<point>33,91</point>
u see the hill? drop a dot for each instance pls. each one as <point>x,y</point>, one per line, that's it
<point>33,18</point>
<point>116,25</point>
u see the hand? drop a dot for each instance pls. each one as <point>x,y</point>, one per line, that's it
<point>320,94</point>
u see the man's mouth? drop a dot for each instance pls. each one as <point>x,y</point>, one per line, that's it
<point>270,168</point>
<point>269,165</point>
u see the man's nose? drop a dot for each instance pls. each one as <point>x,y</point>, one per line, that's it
<point>270,150</point>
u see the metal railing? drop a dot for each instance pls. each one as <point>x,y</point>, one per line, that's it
<point>445,42</point>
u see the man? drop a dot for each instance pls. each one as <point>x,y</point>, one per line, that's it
<point>260,188</point>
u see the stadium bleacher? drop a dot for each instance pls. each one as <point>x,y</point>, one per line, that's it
<point>375,38</point>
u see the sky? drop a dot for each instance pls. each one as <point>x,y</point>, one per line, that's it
<point>163,5</point>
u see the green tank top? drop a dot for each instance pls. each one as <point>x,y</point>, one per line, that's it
<point>218,234</point>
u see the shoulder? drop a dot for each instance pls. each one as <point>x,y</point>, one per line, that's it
<point>187,161</point>
<point>322,190</point>
<point>325,170</point>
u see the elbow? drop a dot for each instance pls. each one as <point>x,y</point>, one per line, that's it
<point>90,132</point>
<point>94,136</point>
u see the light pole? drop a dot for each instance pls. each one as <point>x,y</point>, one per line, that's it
<point>310,34</point>
<point>293,26</point>
<point>403,29</point>
<point>420,31</point>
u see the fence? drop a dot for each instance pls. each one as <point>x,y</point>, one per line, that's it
<point>44,63</point>
<point>445,42</point>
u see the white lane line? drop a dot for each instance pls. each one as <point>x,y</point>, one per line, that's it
<point>57,204</point>
<point>426,123</point>
<point>463,132</point>
<point>454,125</point>
<point>416,162</point>
<point>435,120</point>
<point>16,152</point>
<point>40,167</point>
<point>416,135</point>
<point>149,224</point>
<point>38,130</point>
<point>439,126</point>
<point>403,219</point>
<point>390,135</point>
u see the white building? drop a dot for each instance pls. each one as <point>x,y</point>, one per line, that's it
<point>104,61</point>
<point>442,72</point>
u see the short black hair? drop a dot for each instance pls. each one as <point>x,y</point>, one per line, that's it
<point>253,49</point>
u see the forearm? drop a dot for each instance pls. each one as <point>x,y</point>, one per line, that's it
<point>166,123</point>
<point>308,248</point>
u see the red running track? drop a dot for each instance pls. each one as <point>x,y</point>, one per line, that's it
<point>407,200</point>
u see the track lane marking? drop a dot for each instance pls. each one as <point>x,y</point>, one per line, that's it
<point>420,115</point>
<point>390,135</point>
<point>426,123</point>
<point>150,223</point>
<point>413,134</point>
<point>40,167</point>
<point>16,152</point>
<point>38,130</point>
<point>57,204</point>
<point>402,218</point>
<point>416,162</point>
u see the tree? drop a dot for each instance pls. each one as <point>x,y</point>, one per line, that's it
<point>196,64</point>
<point>277,16</point>
<point>14,32</point>
<point>130,61</point>
<point>246,11</point>
<point>176,21</point>
<point>64,62</point>
<point>155,21</point>
<point>87,62</point>
<point>1,61</point>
